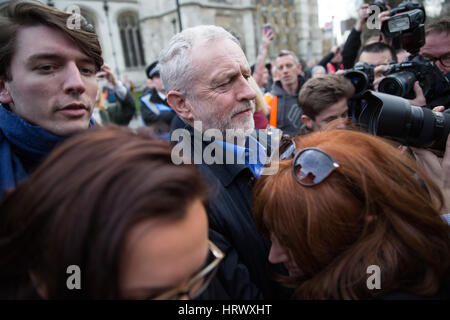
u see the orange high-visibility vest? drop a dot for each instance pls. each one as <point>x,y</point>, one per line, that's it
<point>273,114</point>
<point>268,98</point>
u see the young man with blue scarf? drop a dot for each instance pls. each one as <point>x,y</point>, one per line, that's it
<point>47,84</point>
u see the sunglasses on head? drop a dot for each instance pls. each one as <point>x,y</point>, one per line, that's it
<point>310,166</point>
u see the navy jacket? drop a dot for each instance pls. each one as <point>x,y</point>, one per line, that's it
<point>150,117</point>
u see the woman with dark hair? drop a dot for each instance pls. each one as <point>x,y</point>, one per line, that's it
<point>347,204</point>
<point>107,216</point>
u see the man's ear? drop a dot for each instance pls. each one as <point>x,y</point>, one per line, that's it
<point>307,121</point>
<point>5,96</point>
<point>178,103</point>
<point>299,68</point>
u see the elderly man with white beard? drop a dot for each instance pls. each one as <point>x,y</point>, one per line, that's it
<point>205,74</point>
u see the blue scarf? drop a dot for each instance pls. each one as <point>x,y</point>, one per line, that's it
<point>17,137</point>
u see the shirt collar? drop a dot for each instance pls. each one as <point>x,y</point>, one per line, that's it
<point>161,95</point>
<point>253,155</point>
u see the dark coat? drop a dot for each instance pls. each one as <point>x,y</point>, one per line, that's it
<point>119,112</point>
<point>243,274</point>
<point>351,49</point>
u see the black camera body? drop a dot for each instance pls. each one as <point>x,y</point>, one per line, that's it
<point>401,77</point>
<point>362,76</point>
<point>407,24</point>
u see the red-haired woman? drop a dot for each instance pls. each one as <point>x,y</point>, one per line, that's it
<point>350,218</point>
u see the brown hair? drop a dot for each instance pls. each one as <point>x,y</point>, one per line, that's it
<point>78,206</point>
<point>442,25</point>
<point>21,14</point>
<point>370,211</point>
<point>317,94</point>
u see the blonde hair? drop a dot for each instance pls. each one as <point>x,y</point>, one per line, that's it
<point>260,103</point>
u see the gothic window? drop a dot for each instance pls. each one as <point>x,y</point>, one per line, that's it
<point>130,37</point>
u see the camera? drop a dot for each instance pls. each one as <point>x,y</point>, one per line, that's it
<point>406,24</point>
<point>393,117</point>
<point>361,76</point>
<point>401,77</point>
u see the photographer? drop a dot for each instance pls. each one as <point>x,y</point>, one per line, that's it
<point>379,55</point>
<point>420,77</point>
<point>437,49</point>
<point>118,107</point>
<point>353,43</point>
<point>437,45</point>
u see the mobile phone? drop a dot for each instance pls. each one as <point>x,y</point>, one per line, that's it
<point>267,28</point>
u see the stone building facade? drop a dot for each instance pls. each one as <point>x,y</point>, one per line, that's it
<point>132,32</point>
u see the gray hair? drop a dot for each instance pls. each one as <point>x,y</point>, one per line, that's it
<point>289,53</point>
<point>175,61</point>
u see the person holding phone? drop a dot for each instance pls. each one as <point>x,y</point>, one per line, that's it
<point>261,73</point>
<point>114,103</point>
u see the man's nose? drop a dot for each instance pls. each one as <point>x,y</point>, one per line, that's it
<point>73,82</point>
<point>246,92</point>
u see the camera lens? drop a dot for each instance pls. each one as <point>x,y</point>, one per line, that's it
<point>393,117</point>
<point>359,79</point>
<point>399,84</point>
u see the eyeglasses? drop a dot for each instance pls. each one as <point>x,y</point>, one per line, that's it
<point>197,285</point>
<point>311,166</point>
<point>444,59</point>
<point>287,148</point>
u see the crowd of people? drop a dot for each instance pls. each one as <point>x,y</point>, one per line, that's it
<point>93,209</point>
